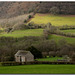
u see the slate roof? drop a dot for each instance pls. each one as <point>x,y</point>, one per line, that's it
<point>21,53</point>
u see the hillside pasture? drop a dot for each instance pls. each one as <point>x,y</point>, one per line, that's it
<point>22,33</point>
<point>56,20</point>
<point>38,69</point>
<point>58,37</point>
<point>36,32</point>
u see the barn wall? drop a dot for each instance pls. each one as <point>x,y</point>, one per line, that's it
<point>17,59</point>
<point>29,57</point>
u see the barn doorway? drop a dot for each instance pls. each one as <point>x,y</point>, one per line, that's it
<point>23,59</point>
<point>20,59</point>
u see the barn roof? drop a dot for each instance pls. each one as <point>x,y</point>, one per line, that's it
<point>21,53</point>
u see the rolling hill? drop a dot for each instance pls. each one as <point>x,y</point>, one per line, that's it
<point>11,9</point>
<point>12,13</point>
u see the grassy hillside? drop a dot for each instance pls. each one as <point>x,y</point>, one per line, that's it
<point>21,33</point>
<point>55,20</point>
<point>58,37</point>
<point>69,31</point>
<point>35,32</point>
<point>38,69</point>
<point>40,19</point>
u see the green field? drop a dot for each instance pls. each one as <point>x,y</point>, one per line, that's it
<point>50,59</point>
<point>36,32</point>
<point>58,20</point>
<point>22,33</point>
<point>58,37</point>
<point>69,31</point>
<point>38,69</point>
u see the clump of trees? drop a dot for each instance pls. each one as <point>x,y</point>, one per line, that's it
<point>19,26</point>
<point>54,10</point>
<point>9,46</point>
<point>29,16</point>
<point>66,27</point>
<point>35,52</point>
<point>32,25</point>
<point>55,30</point>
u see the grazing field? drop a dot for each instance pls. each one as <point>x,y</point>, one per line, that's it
<point>22,33</point>
<point>58,37</point>
<point>35,32</point>
<point>69,31</point>
<point>38,69</point>
<point>50,59</point>
<point>58,20</point>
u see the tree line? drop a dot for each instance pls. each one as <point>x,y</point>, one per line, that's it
<point>9,46</point>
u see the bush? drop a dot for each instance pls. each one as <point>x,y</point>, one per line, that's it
<point>8,30</point>
<point>29,16</point>
<point>19,26</point>
<point>25,21</point>
<point>31,24</point>
<point>47,56</point>
<point>54,10</point>
<point>35,52</point>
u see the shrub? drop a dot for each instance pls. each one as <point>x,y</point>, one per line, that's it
<point>25,21</point>
<point>35,52</point>
<point>31,24</point>
<point>47,56</point>
<point>8,30</point>
<point>29,16</point>
<point>54,10</point>
<point>19,26</point>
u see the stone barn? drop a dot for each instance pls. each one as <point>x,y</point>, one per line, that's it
<point>24,56</point>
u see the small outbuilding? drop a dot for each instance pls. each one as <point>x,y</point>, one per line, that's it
<point>24,56</point>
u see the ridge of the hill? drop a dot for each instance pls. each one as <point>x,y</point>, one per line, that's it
<point>11,9</point>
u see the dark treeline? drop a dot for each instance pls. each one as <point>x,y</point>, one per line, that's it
<point>9,46</point>
<point>66,27</point>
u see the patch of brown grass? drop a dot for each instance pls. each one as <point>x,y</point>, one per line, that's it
<point>4,23</point>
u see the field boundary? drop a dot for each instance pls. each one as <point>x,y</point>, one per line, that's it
<point>36,62</point>
<point>62,35</point>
